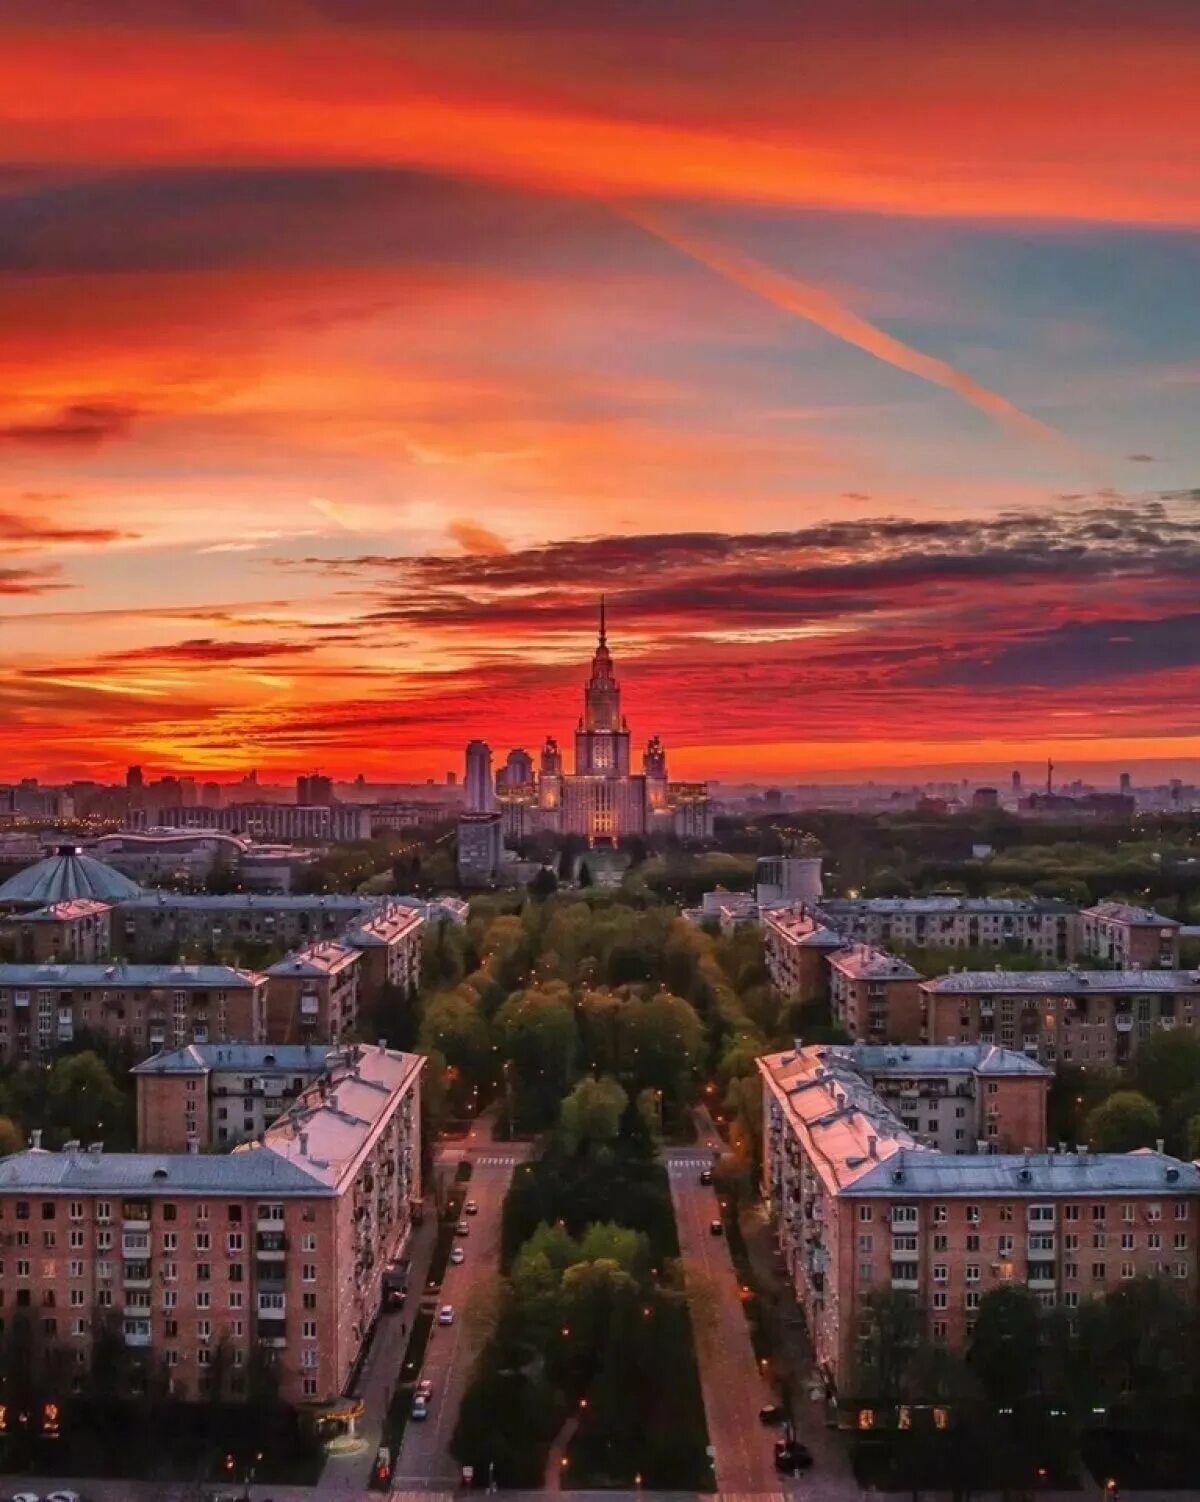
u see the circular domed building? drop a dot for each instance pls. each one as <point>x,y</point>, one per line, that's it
<point>65,876</point>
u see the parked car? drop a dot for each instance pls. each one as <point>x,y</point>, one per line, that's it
<point>457,1255</point>
<point>472,1207</point>
<point>771,1414</point>
<point>25,1497</point>
<point>446,1314</point>
<point>462,1229</point>
<point>64,1495</point>
<point>425,1389</point>
<point>420,1408</point>
<point>706,1175</point>
<point>716,1228</point>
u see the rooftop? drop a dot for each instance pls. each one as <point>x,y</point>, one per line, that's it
<point>260,1058</point>
<point>309,1151</point>
<point>180,977</point>
<point>798,926</point>
<point>326,958</point>
<point>64,876</point>
<point>348,903</point>
<point>64,912</point>
<point>918,1059</point>
<point>384,927</point>
<point>1141,1172</point>
<point>861,962</point>
<point>1125,912</point>
<point>1062,982</point>
<point>999,906</point>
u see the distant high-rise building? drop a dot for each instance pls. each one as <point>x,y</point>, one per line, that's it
<point>1126,784</point>
<point>1016,784</point>
<point>517,771</point>
<point>451,779</point>
<point>480,791</point>
<point>134,779</point>
<point>314,790</point>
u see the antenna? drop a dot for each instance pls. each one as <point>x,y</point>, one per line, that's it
<point>1049,777</point>
<point>603,628</point>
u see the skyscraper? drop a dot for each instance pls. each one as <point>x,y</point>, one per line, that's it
<point>480,794</point>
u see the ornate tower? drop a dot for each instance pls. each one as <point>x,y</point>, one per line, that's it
<point>602,736</point>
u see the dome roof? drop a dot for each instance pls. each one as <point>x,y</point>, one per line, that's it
<point>63,876</point>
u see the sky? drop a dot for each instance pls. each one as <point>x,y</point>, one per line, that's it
<point>350,349</point>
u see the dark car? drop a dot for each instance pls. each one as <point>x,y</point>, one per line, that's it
<point>706,1176</point>
<point>716,1228</point>
<point>791,1456</point>
<point>771,1414</point>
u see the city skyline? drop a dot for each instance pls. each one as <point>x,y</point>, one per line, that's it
<point>352,357</point>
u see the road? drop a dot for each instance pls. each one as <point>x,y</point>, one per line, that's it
<point>425,1460</point>
<point>734,1389</point>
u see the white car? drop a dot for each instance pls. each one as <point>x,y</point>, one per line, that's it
<point>445,1317</point>
<point>425,1389</point>
<point>462,1229</point>
<point>25,1497</point>
<point>63,1496</point>
<point>457,1255</point>
<point>420,1408</point>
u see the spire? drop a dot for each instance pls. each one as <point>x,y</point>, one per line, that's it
<point>603,628</point>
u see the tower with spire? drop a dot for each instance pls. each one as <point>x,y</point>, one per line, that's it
<point>602,736</point>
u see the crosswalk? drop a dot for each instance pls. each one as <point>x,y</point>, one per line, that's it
<point>498,1161</point>
<point>676,1166</point>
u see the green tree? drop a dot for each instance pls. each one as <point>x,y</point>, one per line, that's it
<point>1005,1339</point>
<point>540,1037</point>
<point>1125,1121</point>
<point>1166,1065</point>
<point>591,1115</point>
<point>544,884</point>
<point>885,1366</point>
<point>585,874</point>
<point>83,1102</point>
<point>661,1046</point>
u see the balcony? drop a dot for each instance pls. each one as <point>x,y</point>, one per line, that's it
<point>272,1275</point>
<point>1041,1275</point>
<point>136,1275</point>
<point>137,1332</point>
<point>310,1007</point>
<point>135,1246</point>
<point>272,1244</point>
<point>272,1333</point>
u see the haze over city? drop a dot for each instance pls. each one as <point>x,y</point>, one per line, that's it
<point>350,350</point>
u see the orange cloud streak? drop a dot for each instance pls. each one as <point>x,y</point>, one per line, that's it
<point>817,306</point>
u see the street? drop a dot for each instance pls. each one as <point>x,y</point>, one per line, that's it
<point>733,1387</point>
<point>425,1460</point>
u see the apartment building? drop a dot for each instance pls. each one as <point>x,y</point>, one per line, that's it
<point>289,823</point>
<point>859,1206</point>
<point>75,931</point>
<point>312,995</point>
<point>1129,938</point>
<point>1045,927</point>
<point>1077,1017</point>
<point>389,941</point>
<point>203,1259</point>
<point>162,925</point>
<point>964,1099</point>
<point>795,946</point>
<point>874,995</point>
<point>147,1007</point>
<point>215,1095</point>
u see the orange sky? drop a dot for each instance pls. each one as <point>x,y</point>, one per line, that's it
<point>344,359</point>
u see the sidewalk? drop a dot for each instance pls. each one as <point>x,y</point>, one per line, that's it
<point>350,1474</point>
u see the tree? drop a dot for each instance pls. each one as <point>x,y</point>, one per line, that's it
<point>1125,1121</point>
<point>591,1115</point>
<point>585,874</point>
<point>83,1102</point>
<point>661,1045</point>
<point>1166,1064</point>
<point>12,1139</point>
<point>1005,1339</point>
<point>544,884</point>
<point>887,1355</point>
<point>540,1037</point>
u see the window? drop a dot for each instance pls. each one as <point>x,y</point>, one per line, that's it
<point>904,1215</point>
<point>1181,1209</point>
<point>235,1298</point>
<point>170,1271</point>
<point>1006,1212</point>
<point>309,1359</point>
<point>1071,1241</point>
<point>971,1299</point>
<point>75,1240</point>
<point>865,1243</point>
<point>170,1212</point>
<point>865,1212</point>
<point>1154,1211</point>
<point>939,1330</point>
<point>972,1243</point>
<point>202,1241</point>
<point>1070,1270</point>
<point>170,1241</point>
<point>203,1272</point>
<point>940,1298</point>
<point>235,1242</point>
<point>1071,1299</point>
<point>235,1214</point>
<point>1098,1241</point>
<point>941,1243</point>
<point>203,1299</point>
<point>865,1272</point>
<point>75,1269</point>
<point>77,1298</point>
<point>47,1209</point>
<point>75,1210</point>
<point>1099,1271</point>
<point>203,1329</point>
<point>904,1272</point>
<point>1043,1213</point>
<point>1179,1241</point>
<point>972,1215</point>
<point>1099,1212</point>
<point>204,1357</point>
<point>1127,1269</point>
<point>972,1272</point>
<point>1181,1270</point>
<point>1127,1214</point>
<point>940,1214</point>
<point>941,1273</point>
<point>308,1300</point>
<point>1128,1241</point>
<point>1070,1212</point>
<point>170,1298</point>
<point>310,1387</point>
<point>1040,1243</point>
<point>237,1272</point>
<point>1004,1244</point>
<point>1154,1240</point>
<point>308,1243</point>
<point>309,1329</point>
<point>308,1272</point>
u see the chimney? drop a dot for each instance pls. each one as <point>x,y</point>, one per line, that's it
<point>1160,1144</point>
<point>193,1143</point>
<point>35,1139</point>
<point>383,1045</point>
<point>304,1144</point>
<point>873,1146</point>
<point>797,1044</point>
<point>72,1147</point>
<point>94,1148</point>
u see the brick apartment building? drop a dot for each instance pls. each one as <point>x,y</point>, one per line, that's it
<point>1129,938</point>
<point>1040,925</point>
<point>973,1097</point>
<point>148,1007</point>
<point>389,940</point>
<point>215,1095</point>
<point>312,995</point>
<point>76,931</point>
<point>796,946</point>
<point>874,995</point>
<point>280,1245</point>
<point>859,1205</point>
<point>1077,1017</point>
<point>163,925</point>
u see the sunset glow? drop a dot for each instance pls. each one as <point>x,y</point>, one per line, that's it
<point>349,351</point>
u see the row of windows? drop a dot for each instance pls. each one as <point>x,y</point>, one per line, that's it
<point>168,1271</point>
<point>908,1272</point>
<point>1035,1243</point>
<point>140,1210</point>
<point>973,1215</point>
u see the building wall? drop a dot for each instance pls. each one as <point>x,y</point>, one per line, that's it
<point>165,925</point>
<point>172,1111</point>
<point>1129,946</point>
<point>38,1017</point>
<point>877,1010</point>
<point>320,1008</point>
